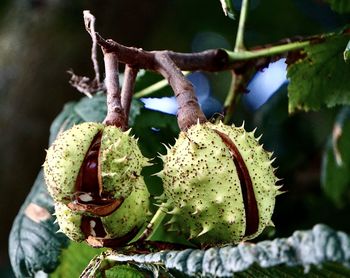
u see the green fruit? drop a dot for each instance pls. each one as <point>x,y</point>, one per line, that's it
<point>118,162</point>
<point>219,184</point>
<point>93,173</point>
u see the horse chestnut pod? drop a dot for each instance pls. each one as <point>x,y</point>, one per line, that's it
<point>93,173</point>
<point>219,184</point>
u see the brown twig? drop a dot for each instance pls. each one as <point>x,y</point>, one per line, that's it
<point>189,111</point>
<point>130,74</point>
<point>84,84</point>
<point>89,21</point>
<point>115,113</point>
<point>170,64</point>
<point>209,60</point>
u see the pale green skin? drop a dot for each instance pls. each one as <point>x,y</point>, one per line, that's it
<point>64,158</point>
<point>121,161</point>
<point>69,222</point>
<point>132,213</point>
<point>203,189</point>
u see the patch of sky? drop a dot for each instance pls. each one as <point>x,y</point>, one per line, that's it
<point>265,83</point>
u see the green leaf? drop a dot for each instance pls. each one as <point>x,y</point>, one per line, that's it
<point>135,110</point>
<point>74,259</point>
<point>340,6</point>
<point>34,244</point>
<point>86,110</point>
<point>92,109</point>
<point>123,271</point>
<point>320,77</point>
<point>335,177</point>
<point>154,129</point>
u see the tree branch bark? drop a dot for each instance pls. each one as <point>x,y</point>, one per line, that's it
<point>128,88</point>
<point>189,111</point>
<point>209,60</point>
<point>170,64</point>
<point>115,113</point>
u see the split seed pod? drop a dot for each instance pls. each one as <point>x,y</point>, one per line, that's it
<point>219,184</point>
<point>93,173</point>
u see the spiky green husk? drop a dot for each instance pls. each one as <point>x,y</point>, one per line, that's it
<point>203,187</point>
<point>64,158</point>
<point>69,222</point>
<point>259,164</point>
<point>120,164</point>
<point>133,213</point>
<point>121,161</point>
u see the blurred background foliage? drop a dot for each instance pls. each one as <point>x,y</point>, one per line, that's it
<point>41,39</point>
